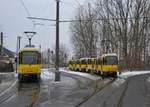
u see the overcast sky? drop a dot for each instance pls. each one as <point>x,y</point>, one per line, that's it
<point>13,21</point>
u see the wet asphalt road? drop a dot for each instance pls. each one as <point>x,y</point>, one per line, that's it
<point>131,92</point>
<point>136,93</point>
<point>6,79</point>
<point>74,91</point>
<point>70,92</point>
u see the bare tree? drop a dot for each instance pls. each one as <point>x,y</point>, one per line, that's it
<point>63,55</point>
<point>84,36</point>
<point>124,28</point>
<point>120,26</point>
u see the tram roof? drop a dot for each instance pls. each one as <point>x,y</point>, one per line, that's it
<point>29,49</point>
<point>87,58</point>
<point>109,54</point>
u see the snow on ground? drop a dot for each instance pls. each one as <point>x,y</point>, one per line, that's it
<point>6,73</point>
<point>125,74</point>
<point>86,75</point>
<point>133,73</point>
<point>50,75</point>
<point>46,74</point>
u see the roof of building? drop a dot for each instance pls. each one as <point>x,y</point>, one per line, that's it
<point>8,52</point>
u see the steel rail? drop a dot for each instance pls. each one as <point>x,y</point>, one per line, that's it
<point>96,90</point>
<point>5,95</point>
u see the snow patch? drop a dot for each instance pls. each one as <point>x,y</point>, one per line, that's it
<point>118,82</point>
<point>45,74</point>
<point>133,73</point>
<point>86,75</point>
<point>126,74</point>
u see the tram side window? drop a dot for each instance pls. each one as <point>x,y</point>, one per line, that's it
<point>83,62</point>
<point>70,62</point>
<point>89,61</point>
<point>78,62</point>
<point>93,61</point>
<point>98,62</point>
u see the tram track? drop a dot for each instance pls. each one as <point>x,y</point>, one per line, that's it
<point>96,90</point>
<point>124,95</point>
<point>6,94</point>
<point>120,102</point>
<point>15,89</point>
<point>85,83</point>
<point>97,85</point>
<point>29,90</point>
<point>34,97</point>
<point>94,85</point>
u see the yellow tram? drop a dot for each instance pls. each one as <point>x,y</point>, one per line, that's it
<point>91,63</point>
<point>29,62</point>
<point>106,65</point>
<point>72,65</point>
<point>77,65</point>
<point>83,64</point>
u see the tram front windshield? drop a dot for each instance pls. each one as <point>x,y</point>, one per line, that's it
<point>29,58</point>
<point>111,60</point>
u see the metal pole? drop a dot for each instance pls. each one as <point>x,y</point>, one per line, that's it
<point>19,38</point>
<point>18,43</point>
<point>57,73</point>
<point>108,31</point>
<point>18,48</point>
<point>29,41</point>
<point>1,50</point>
<point>48,57</point>
<point>2,42</point>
